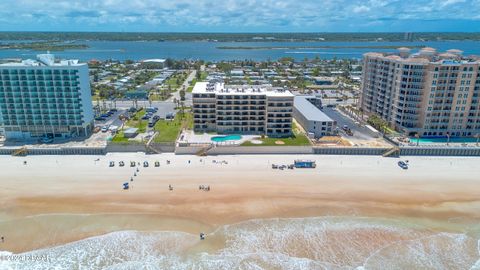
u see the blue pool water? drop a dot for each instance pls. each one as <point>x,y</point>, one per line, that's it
<point>444,140</point>
<point>226,138</point>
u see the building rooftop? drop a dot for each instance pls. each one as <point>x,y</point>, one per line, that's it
<point>221,88</point>
<point>43,60</point>
<point>427,55</point>
<point>308,110</point>
<point>154,61</point>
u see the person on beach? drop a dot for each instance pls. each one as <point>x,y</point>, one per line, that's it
<point>3,239</point>
<point>170,187</point>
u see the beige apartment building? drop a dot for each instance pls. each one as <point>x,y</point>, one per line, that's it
<point>426,93</point>
<point>242,109</point>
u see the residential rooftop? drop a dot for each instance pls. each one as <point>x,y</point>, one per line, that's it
<point>428,55</point>
<point>221,88</point>
<point>308,110</point>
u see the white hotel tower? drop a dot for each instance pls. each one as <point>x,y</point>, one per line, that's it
<point>45,98</point>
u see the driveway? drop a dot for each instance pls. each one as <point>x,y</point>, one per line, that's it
<point>359,132</point>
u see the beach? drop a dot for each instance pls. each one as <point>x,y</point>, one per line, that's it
<point>348,212</point>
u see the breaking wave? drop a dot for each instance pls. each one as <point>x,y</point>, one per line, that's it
<point>303,243</point>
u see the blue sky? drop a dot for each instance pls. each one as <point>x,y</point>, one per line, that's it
<point>240,15</point>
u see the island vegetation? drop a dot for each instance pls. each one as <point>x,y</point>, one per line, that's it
<point>42,46</point>
<point>235,37</point>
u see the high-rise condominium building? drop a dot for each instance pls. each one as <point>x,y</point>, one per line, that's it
<point>426,93</point>
<point>242,109</point>
<point>45,98</point>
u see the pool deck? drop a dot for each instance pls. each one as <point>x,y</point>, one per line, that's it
<point>426,142</point>
<point>189,136</point>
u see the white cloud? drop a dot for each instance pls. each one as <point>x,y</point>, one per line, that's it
<point>229,14</point>
<point>361,9</point>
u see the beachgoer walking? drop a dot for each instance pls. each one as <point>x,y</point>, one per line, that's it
<point>3,239</point>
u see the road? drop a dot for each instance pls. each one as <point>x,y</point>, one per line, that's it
<point>359,132</point>
<point>185,85</point>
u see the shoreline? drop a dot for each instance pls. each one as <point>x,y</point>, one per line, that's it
<point>74,197</point>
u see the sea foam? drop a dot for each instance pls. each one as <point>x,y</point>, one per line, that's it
<point>299,243</point>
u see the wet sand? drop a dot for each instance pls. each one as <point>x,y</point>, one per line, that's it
<point>59,199</point>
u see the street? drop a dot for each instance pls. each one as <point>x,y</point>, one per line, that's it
<point>359,132</point>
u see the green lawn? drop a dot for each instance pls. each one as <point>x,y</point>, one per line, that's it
<point>190,89</point>
<point>134,122</point>
<point>294,140</point>
<point>172,81</point>
<point>297,139</point>
<point>168,130</point>
<point>203,75</point>
<point>119,138</point>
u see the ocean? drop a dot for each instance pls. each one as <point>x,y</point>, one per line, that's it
<point>291,243</point>
<point>209,51</point>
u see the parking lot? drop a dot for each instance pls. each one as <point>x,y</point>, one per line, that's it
<point>361,135</point>
<point>122,107</point>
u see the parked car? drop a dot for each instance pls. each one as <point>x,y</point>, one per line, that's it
<point>145,164</point>
<point>46,139</point>
<point>403,165</point>
<point>100,118</point>
<point>151,109</point>
<point>104,129</point>
<point>121,164</point>
<point>153,121</point>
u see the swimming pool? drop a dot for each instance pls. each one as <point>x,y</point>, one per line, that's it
<point>226,138</point>
<point>427,140</point>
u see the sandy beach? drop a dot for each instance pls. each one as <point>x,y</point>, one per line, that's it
<point>54,200</point>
